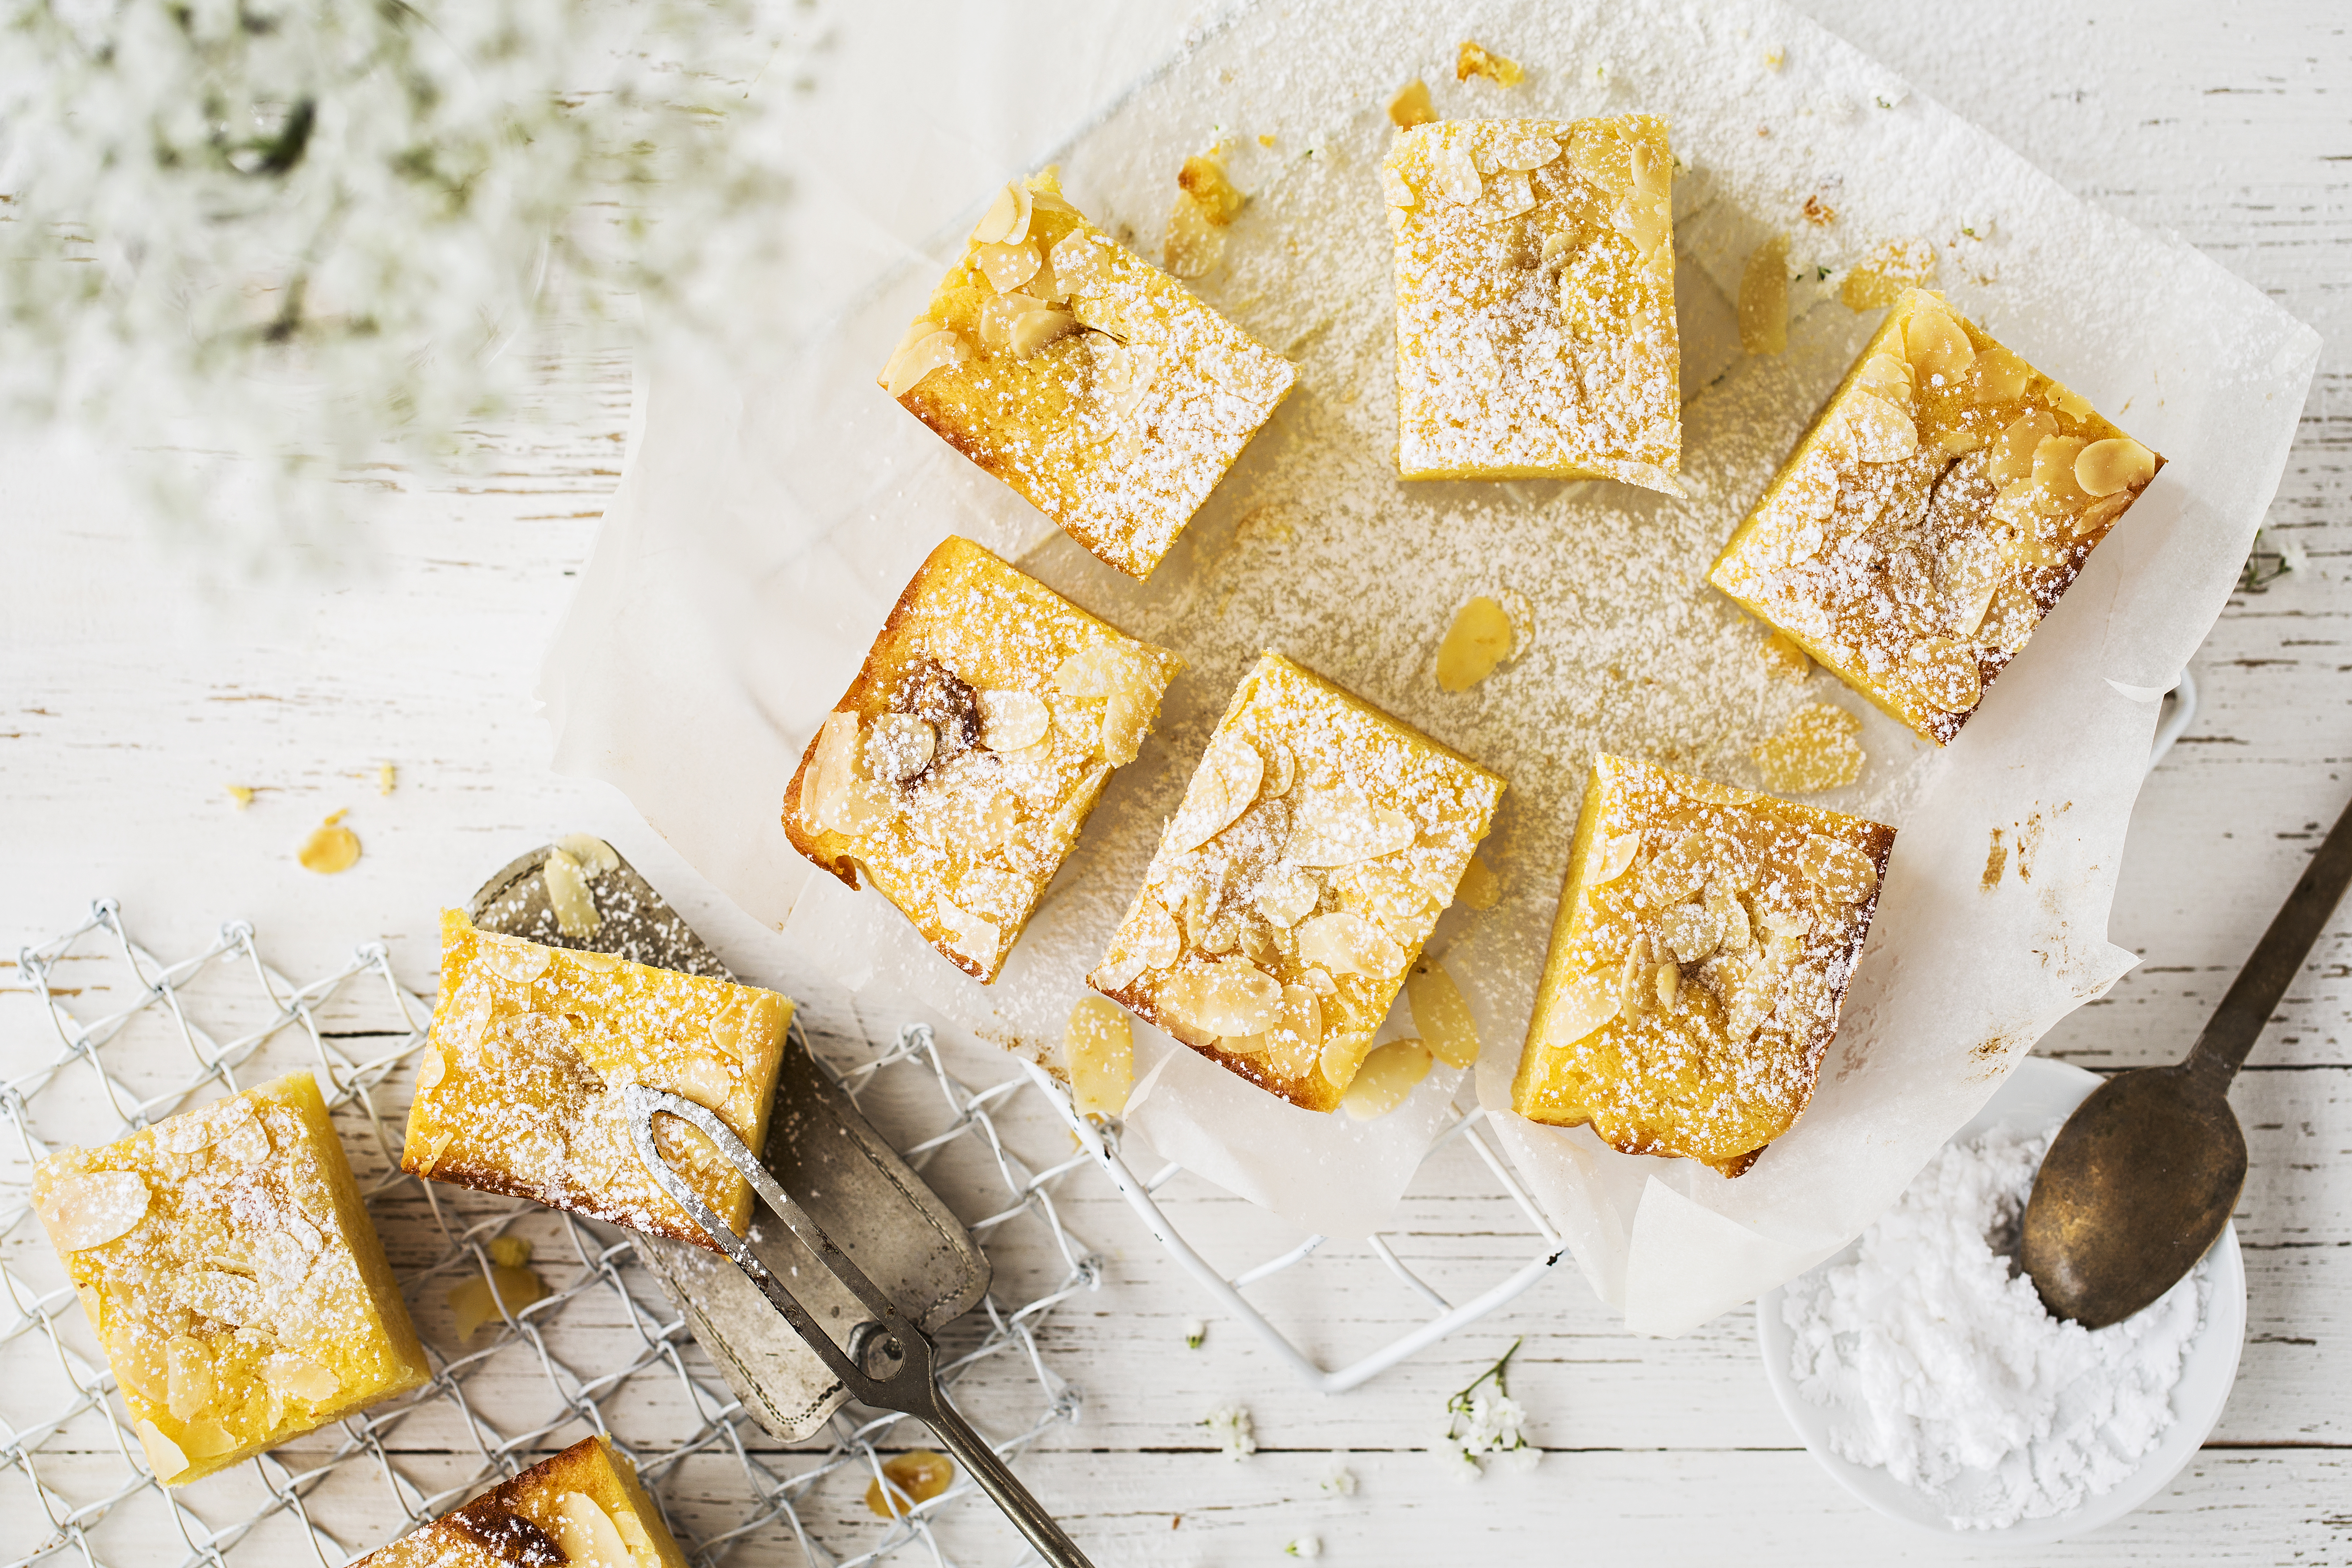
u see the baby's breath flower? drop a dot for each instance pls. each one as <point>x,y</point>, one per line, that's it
<point>1236,1434</point>
<point>1482,1423</point>
<point>1195,1333</point>
<point>1305,1546</point>
<point>1338,1479</point>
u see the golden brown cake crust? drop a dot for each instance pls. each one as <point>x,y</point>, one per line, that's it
<point>975,657</point>
<point>527,1521</point>
<point>1932,515</point>
<point>1318,844</point>
<point>1701,956</point>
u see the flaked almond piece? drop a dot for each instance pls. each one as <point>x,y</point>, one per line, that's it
<point>831,773</point>
<point>2012,459</point>
<point>1339,826</point>
<point>1342,1055</point>
<point>974,936</point>
<point>1764,298</point>
<point>1457,175</point>
<point>1345,942</point>
<point>1634,992</point>
<point>1281,768</point>
<point>432,1066</point>
<point>1409,108</point>
<point>1287,894</point>
<point>1878,431</point>
<point>1836,870</point>
<point>1203,179</point>
<point>511,958</point>
<point>1688,932</point>
<point>1081,261</point>
<point>997,315</point>
<point>1231,996</point>
<point>1525,152</point>
<point>747,1028</point>
<point>1884,375</point>
<point>910,365</point>
<point>1998,376</point>
<point>1387,1076</point>
<point>1479,889</point>
<point>188,1372</point>
<point>568,897</point>
<point>1733,929</point>
<point>2096,516</point>
<point>245,1143</point>
<point>1033,330</point>
<point>164,1456</point>
<point>1668,981</point>
<point>1938,347</point>
<point>1617,853</point>
<point>1223,788</point>
<point>1295,1040</point>
<point>299,1377</point>
<point>595,856</point>
<point>434,1147</point>
<point>1098,1053</point>
<point>1006,222</point>
<point>1007,266</point>
<point>1946,672</point>
<point>1480,639</point>
<point>1396,190</point>
<point>2054,489</point>
<point>898,746</point>
<point>1579,1008</point>
<point>698,1078</point>
<point>332,848</point>
<point>1474,59</point>
<point>92,1208</point>
<point>1441,1015</point>
<point>2117,463</point>
<point>1013,720</point>
<point>1159,940</point>
<point>587,1535</point>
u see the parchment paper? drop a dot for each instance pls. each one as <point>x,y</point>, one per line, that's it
<point>770,512</point>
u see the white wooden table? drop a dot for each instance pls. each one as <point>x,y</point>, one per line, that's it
<point>129,700</point>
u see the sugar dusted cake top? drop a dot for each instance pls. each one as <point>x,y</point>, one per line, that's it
<point>1535,300</point>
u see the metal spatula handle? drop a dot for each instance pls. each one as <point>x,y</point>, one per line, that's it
<point>889,1361</point>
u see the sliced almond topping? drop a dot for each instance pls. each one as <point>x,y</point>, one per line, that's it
<point>1342,1055</point>
<point>164,1456</point>
<point>974,936</point>
<point>898,746</point>
<point>246,1143</point>
<point>1347,944</point>
<point>1231,996</point>
<point>1937,346</point>
<point>2054,489</point>
<point>587,1535</point>
<point>1321,983</point>
<point>1395,189</point>
<point>1577,1008</point>
<point>1457,176</point>
<point>1676,872</point>
<point>1480,639</point>
<point>511,958</point>
<point>188,1367</point>
<point>1441,1015</point>
<point>1006,222</point>
<point>93,1208</point>
<point>332,848</point>
<point>1837,870</point>
<point>1668,981</point>
<point>1339,826</point>
<point>1688,932</point>
<point>568,896</point>
<point>1281,768</point>
<point>997,315</point>
<point>1479,889</point>
<point>2069,402</point>
<point>1886,376</point>
<point>1294,1041</point>
<point>591,961</point>
<point>1034,330</point>
<point>1734,931</point>
<point>1013,720</point>
<point>2096,516</point>
<point>1632,984</point>
<point>907,368</point>
<point>1223,788</point>
<point>1523,151</point>
<point>1386,1076</point>
<point>299,1377</point>
<point>1948,673</point>
<point>595,856</point>
<point>2013,451</point>
<point>1409,108</point>
<point>432,1066</point>
<point>1617,853</point>
<point>1159,940</point>
<point>1997,376</point>
<point>1081,261</point>
<point>701,1080</point>
<point>832,772</point>
<point>2118,463</point>
<point>1287,894</point>
<point>433,1149</point>
<point>1880,432</point>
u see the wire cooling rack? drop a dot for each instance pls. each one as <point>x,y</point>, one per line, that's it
<point>136,1040</point>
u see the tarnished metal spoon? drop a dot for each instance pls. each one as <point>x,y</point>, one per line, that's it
<point>2143,1176</point>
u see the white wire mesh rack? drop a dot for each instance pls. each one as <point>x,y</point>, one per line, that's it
<point>165,1036</point>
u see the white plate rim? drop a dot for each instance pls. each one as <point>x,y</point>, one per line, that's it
<point>2041,1089</point>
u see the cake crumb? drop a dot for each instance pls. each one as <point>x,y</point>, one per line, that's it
<point>1818,212</point>
<point>332,847</point>
<point>1881,278</point>
<point>1411,106</point>
<point>1783,659</point>
<point>240,795</point>
<point>1476,60</point>
<point>387,776</point>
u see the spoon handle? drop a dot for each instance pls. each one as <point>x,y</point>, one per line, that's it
<point>2238,1022</point>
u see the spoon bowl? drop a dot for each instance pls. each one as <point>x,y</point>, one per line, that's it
<point>2136,1186</point>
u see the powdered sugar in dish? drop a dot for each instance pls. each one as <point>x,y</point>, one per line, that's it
<point>1944,1368</point>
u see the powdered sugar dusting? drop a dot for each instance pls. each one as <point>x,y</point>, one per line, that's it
<point>1944,1367</point>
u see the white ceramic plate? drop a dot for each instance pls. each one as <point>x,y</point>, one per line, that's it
<point>2038,1094</point>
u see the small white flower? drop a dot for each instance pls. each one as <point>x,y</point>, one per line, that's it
<point>1339,1479</point>
<point>1305,1546</point>
<point>1236,1434</point>
<point>1518,1461</point>
<point>1195,1332</point>
<point>2292,555</point>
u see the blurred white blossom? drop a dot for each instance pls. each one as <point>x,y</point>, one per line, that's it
<point>1305,1546</point>
<point>296,230</point>
<point>1486,1422</point>
<point>1235,1432</point>
<point>1338,1479</point>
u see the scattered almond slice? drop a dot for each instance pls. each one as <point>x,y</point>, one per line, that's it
<point>1006,222</point>
<point>907,368</point>
<point>511,958</point>
<point>1580,1007</point>
<point>188,1371</point>
<point>1386,1076</point>
<point>976,937</point>
<point>2102,468</point>
<point>587,1535</point>
<point>1287,894</point>
<point>1231,996</point>
<point>1409,108</point>
<point>1013,720</point>
<point>1223,788</point>
<point>1938,347</point>
<point>1339,826</point>
<point>1441,1015</point>
<point>331,849</point>
<point>1764,298</point>
<point>1838,871</point>
<point>473,1303</point>
<point>1480,640</point>
<point>1880,432</point>
<point>1816,750</point>
<point>1476,60</point>
<point>239,796</point>
<point>916,1476</point>
<point>1617,854</point>
<point>164,1456</point>
<point>299,1377</point>
<point>1098,1053</point>
<point>93,1208</point>
<point>1344,942</point>
<point>568,896</point>
<point>595,856</point>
